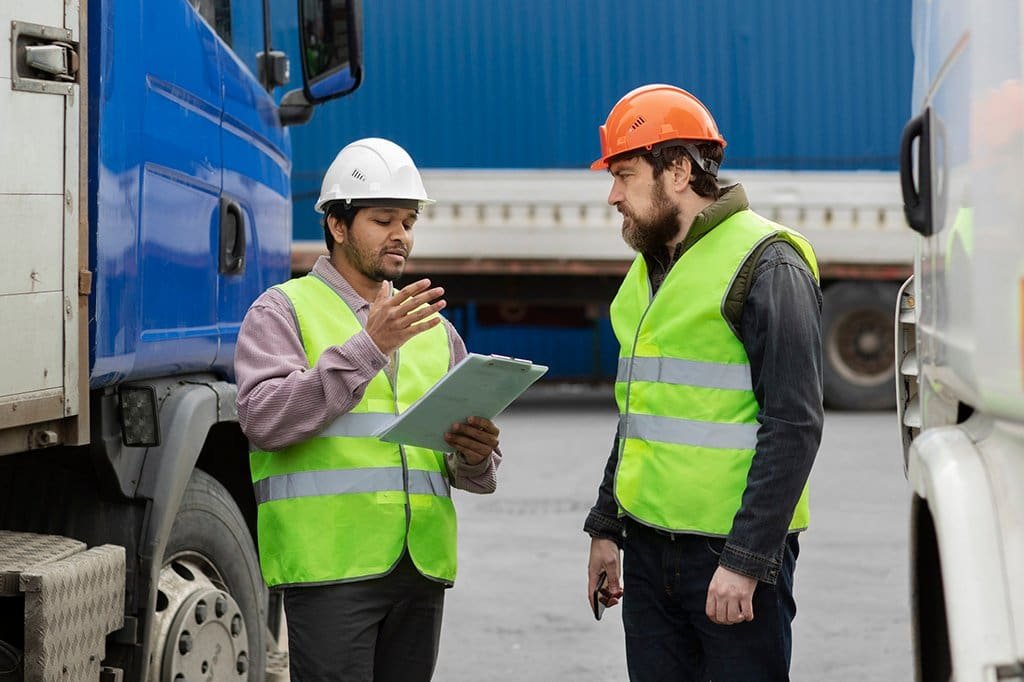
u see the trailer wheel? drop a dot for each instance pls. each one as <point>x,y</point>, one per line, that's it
<point>211,601</point>
<point>858,345</point>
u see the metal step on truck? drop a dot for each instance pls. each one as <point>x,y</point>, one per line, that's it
<point>145,202</point>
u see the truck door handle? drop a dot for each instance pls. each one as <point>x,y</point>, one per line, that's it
<point>232,237</point>
<point>917,200</point>
<point>43,59</point>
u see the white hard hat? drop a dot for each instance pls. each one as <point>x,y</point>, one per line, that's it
<point>373,170</point>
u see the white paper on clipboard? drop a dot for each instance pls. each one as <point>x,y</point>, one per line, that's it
<point>477,386</point>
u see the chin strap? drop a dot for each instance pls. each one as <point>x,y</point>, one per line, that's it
<point>707,165</point>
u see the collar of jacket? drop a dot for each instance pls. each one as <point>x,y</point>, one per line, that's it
<point>733,200</point>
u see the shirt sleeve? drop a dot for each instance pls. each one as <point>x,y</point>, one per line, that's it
<point>281,399</point>
<point>479,478</point>
<point>781,332</point>
<point>603,520</point>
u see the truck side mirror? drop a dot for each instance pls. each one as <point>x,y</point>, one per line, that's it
<point>331,43</point>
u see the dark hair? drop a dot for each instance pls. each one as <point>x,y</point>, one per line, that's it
<point>703,183</point>
<point>344,213</point>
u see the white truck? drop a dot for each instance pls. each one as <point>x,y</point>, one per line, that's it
<point>960,340</point>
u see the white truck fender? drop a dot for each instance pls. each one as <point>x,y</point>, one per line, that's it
<point>948,470</point>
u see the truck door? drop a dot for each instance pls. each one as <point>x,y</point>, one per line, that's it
<point>40,332</point>
<point>254,234</point>
<point>181,166</point>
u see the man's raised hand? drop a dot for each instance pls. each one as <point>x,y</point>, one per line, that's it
<point>393,320</point>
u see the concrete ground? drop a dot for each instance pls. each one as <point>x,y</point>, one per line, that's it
<point>519,610</point>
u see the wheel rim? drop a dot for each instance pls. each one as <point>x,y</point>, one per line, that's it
<point>861,347</point>
<point>201,633</point>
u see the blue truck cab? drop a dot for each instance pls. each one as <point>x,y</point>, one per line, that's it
<point>145,202</point>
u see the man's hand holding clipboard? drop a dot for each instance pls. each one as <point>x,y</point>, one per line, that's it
<point>475,439</point>
<point>478,387</point>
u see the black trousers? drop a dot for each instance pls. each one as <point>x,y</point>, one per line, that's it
<point>380,630</point>
<point>668,635</point>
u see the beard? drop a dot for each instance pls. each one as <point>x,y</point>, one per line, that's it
<point>372,264</point>
<point>651,234</point>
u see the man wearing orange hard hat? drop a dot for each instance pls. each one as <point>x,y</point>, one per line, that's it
<point>719,390</point>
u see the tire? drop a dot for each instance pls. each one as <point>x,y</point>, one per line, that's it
<point>210,552</point>
<point>932,652</point>
<point>858,345</point>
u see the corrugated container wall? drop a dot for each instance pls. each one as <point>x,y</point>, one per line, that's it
<point>798,84</point>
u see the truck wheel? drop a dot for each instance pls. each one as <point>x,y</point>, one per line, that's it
<point>932,652</point>
<point>858,345</point>
<point>211,613</point>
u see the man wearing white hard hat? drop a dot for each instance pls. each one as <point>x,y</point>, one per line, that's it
<point>359,534</point>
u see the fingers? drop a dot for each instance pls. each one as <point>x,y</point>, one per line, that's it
<point>473,437</point>
<point>722,611</point>
<point>474,444</point>
<point>604,557</point>
<point>408,291</point>
<point>747,608</point>
<point>393,320</point>
<point>728,609</point>
<point>611,593</point>
<point>484,425</point>
<point>413,296</point>
<point>480,428</point>
<point>412,303</point>
<point>409,319</point>
<point>733,612</point>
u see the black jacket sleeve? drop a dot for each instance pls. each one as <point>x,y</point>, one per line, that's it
<point>781,332</point>
<point>603,520</point>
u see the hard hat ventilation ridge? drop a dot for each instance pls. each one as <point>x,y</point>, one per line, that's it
<point>637,123</point>
<point>358,175</point>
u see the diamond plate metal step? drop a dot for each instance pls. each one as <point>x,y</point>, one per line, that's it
<point>74,597</point>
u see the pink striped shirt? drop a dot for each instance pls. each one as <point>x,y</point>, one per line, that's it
<point>283,401</point>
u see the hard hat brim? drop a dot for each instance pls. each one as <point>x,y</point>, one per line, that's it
<point>420,204</point>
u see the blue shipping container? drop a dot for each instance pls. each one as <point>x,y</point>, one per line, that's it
<point>800,84</point>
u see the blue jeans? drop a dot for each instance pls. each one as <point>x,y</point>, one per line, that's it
<point>668,636</point>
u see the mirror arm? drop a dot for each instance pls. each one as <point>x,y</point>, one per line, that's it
<point>294,109</point>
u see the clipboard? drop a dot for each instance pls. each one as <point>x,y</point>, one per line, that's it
<point>477,386</point>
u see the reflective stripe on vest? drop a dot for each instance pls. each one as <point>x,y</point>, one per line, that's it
<point>688,414</point>
<point>344,505</point>
<point>358,424</point>
<point>689,432</point>
<point>349,481</point>
<point>688,372</point>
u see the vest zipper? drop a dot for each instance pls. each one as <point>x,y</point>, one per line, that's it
<point>632,357</point>
<point>405,461</point>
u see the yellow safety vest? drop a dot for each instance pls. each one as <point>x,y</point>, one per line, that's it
<point>687,410</point>
<point>343,505</point>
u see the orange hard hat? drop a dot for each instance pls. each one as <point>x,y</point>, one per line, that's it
<point>651,115</point>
